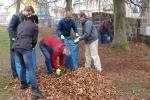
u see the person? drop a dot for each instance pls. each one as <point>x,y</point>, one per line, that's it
<point>26,39</point>
<point>65,25</point>
<point>90,36</point>
<point>12,30</point>
<point>106,31</point>
<point>53,48</point>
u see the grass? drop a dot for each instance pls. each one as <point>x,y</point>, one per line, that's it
<point>4,41</point>
<point>4,56</point>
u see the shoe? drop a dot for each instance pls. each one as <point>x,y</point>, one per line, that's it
<point>24,85</point>
<point>99,69</point>
<point>36,94</point>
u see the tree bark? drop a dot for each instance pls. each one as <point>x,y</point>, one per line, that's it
<point>68,5</point>
<point>120,38</point>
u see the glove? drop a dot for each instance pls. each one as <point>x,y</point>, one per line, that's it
<point>62,37</point>
<point>13,39</point>
<point>77,40</point>
<point>58,72</point>
<point>77,35</point>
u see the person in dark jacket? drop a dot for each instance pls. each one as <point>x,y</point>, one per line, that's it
<point>26,39</point>
<point>90,36</point>
<point>65,25</point>
<point>12,30</point>
<point>53,48</point>
<point>106,31</point>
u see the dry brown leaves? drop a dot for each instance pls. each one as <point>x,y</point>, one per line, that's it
<point>81,84</point>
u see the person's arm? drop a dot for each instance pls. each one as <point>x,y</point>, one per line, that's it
<point>59,27</point>
<point>74,26</point>
<point>12,26</point>
<point>35,36</point>
<point>54,59</point>
<point>61,61</point>
<point>87,30</point>
<point>36,20</point>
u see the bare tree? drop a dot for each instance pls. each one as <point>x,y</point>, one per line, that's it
<point>68,5</point>
<point>18,2</point>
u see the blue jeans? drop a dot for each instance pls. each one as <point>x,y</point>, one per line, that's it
<point>26,61</point>
<point>12,59</point>
<point>47,56</point>
<point>18,65</point>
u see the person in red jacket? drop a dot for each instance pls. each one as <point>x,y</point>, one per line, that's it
<point>53,48</point>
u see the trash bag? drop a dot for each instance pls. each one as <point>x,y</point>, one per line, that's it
<point>72,60</point>
<point>18,65</point>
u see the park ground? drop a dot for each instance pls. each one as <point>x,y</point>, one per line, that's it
<point>125,76</point>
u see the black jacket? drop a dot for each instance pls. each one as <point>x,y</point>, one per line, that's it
<point>27,35</point>
<point>14,22</point>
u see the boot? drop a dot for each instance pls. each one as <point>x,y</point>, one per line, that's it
<point>24,85</point>
<point>36,93</point>
<point>99,69</point>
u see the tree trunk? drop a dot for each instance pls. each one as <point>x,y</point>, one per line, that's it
<point>120,38</point>
<point>18,6</point>
<point>68,5</point>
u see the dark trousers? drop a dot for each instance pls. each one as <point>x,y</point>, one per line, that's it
<point>47,56</point>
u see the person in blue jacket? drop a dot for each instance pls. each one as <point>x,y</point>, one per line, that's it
<point>65,25</point>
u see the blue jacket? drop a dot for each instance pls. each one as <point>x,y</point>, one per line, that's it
<point>89,32</point>
<point>64,27</point>
<point>14,22</point>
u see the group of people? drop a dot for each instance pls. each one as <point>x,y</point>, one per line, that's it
<point>23,33</point>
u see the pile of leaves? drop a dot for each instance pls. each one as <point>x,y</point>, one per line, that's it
<point>81,84</point>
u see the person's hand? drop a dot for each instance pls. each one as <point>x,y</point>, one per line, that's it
<point>62,37</point>
<point>58,71</point>
<point>76,41</point>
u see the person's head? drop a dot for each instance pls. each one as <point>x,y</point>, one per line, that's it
<point>29,9</point>
<point>68,15</point>
<point>66,51</point>
<point>82,16</point>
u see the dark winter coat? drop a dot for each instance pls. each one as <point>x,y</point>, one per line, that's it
<point>27,35</point>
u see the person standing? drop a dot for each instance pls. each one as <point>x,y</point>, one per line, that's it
<point>12,30</point>
<point>26,39</point>
<point>90,36</point>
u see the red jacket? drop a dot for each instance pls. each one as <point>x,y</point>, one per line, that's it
<point>57,48</point>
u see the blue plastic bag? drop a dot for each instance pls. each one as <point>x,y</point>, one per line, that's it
<point>18,66</point>
<point>72,60</point>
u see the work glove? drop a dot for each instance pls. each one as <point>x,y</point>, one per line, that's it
<point>77,35</point>
<point>13,39</point>
<point>62,37</point>
<point>76,41</point>
<point>58,71</point>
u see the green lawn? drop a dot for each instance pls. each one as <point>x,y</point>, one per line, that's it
<point>4,58</point>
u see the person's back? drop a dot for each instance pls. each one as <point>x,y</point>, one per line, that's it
<point>52,41</point>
